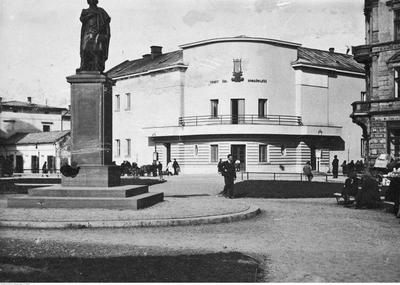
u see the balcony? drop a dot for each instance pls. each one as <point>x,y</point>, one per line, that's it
<point>362,53</point>
<point>366,108</point>
<point>240,120</point>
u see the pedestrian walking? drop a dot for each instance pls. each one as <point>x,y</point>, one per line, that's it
<point>229,173</point>
<point>350,168</point>
<point>335,167</point>
<point>44,168</point>
<point>307,170</point>
<point>176,167</point>
<point>169,168</point>
<point>160,171</point>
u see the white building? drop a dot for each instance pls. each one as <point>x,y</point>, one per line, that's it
<point>29,151</point>
<point>273,104</point>
<point>31,134</point>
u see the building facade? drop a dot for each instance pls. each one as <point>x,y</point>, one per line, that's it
<point>26,117</point>
<point>31,134</point>
<point>377,112</point>
<point>29,151</point>
<point>273,104</point>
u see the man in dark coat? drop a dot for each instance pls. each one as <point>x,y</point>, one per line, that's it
<point>229,173</point>
<point>335,167</point>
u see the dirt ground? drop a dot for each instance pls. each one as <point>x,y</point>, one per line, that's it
<point>295,240</point>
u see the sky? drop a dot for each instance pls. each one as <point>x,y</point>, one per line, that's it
<point>40,38</point>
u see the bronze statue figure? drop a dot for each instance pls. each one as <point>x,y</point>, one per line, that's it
<point>95,37</point>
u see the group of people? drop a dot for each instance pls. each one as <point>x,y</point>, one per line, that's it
<point>172,168</point>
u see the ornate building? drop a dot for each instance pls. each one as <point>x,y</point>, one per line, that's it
<point>378,110</point>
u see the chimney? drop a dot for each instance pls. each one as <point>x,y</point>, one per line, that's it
<point>147,55</point>
<point>331,50</point>
<point>30,100</point>
<point>155,51</point>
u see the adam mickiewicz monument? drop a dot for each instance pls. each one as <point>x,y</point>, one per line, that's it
<point>93,181</point>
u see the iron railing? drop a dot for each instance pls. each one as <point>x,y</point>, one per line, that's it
<point>240,119</point>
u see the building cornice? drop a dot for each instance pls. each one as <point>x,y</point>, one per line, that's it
<point>240,39</point>
<point>301,65</point>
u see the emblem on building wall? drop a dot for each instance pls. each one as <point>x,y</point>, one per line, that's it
<point>237,70</point>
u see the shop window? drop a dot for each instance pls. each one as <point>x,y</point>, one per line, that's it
<point>262,108</point>
<point>214,153</point>
<point>214,108</point>
<point>263,153</point>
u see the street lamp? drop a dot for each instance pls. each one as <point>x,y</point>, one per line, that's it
<point>155,154</point>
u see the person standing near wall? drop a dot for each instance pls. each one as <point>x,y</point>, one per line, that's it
<point>229,173</point>
<point>176,167</point>
<point>335,167</point>
<point>307,170</point>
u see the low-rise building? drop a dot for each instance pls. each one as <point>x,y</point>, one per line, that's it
<point>273,104</point>
<point>29,151</point>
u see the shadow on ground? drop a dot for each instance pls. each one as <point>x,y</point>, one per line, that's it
<point>218,267</point>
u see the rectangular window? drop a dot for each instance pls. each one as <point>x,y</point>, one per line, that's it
<point>214,153</point>
<point>46,128</point>
<point>363,96</point>
<point>396,25</point>
<point>262,108</point>
<point>128,147</point>
<point>117,148</point>
<point>214,108</point>
<point>396,82</point>
<point>128,101</point>
<point>263,153</point>
<point>363,147</point>
<point>117,103</point>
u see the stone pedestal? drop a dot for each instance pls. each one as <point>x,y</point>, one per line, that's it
<point>97,185</point>
<point>91,130</point>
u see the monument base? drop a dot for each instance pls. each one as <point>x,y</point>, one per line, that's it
<point>94,176</point>
<point>129,197</point>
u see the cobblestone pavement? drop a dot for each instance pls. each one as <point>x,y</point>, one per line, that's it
<point>297,240</point>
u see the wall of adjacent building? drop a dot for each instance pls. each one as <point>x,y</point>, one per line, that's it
<point>155,101</point>
<point>20,122</point>
<point>324,98</point>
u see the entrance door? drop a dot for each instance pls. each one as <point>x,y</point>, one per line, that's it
<point>34,164</point>
<point>313,158</point>
<point>19,164</point>
<point>237,111</point>
<point>238,152</point>
<point>51,163</point>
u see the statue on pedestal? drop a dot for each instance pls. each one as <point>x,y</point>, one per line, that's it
<point>95,38</point>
